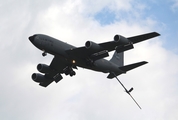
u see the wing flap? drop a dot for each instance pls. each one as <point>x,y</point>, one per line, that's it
<point>46,83</point>
<point>49,78</point>
<point>100,55</point>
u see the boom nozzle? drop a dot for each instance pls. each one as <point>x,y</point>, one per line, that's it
<point>130,90</point>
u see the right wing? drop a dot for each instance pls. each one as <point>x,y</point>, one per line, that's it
<point>143,37</point>
<point>83,52</point>
<point>110,46</point>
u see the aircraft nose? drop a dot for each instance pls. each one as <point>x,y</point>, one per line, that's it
<point>31,38</point>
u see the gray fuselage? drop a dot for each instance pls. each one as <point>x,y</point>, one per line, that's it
<point>59,48</point>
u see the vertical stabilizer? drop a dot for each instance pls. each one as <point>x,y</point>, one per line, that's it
<point>118,59</point>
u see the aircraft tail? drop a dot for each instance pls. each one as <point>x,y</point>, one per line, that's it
<point>118,59</point>
<point>127,68</point>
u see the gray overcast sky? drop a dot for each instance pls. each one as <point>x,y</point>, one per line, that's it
<point>89,95</point>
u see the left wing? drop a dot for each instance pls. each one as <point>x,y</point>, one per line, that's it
<point>57,65</point>
<point>101,50</point>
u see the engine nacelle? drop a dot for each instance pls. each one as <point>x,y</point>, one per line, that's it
<point>122,40</point>
<point>38,77</point>
<point>43,68</point>
<point>92,46</point>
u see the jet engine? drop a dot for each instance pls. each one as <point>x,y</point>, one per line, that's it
<point>43,68</point>
<point>122,40</point>
<point>92,46</point>
<point>38,77</point>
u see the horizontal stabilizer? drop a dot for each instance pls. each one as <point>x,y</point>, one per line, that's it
<point>127,68</point>
<point>132,66</point>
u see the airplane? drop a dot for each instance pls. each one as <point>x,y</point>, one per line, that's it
<point>91,56</point>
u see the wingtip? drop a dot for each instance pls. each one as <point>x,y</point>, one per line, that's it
<point>145,62</point>
<point>157,34</point>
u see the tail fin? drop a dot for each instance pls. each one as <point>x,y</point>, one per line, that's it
<point>118,59</point>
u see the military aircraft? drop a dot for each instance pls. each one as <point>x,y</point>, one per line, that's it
<point>91,56</point>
